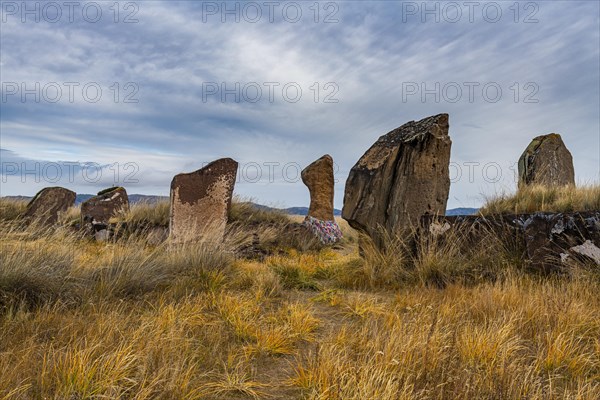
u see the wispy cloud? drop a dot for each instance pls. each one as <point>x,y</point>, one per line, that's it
<point>370,57</point>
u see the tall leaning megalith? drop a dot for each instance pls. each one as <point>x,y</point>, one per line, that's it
<point>404,175</point>
<point>200,202</point>
<point>546,161</point>
<point>318,177</point>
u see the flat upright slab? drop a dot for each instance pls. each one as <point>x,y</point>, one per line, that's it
<point>200,202</point>
<point>48,203</point>
<point>404,175</point>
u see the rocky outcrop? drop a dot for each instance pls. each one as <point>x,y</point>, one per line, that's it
<point>200,202</point>
<point>318,177</point>
<point>547,240</point>
<point>551,239</point>
<point>48,203</point>
<point>587,249</point>
<point>546,161</point>
<point>403,176</point>
<point>97,211</point>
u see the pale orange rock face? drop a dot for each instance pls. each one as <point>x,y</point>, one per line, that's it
<point>105,205</point>
<point>48,203</point>
<point>318,177</point>
<point>404,175</point>
<point>546,161</point>
<point>200,202</point>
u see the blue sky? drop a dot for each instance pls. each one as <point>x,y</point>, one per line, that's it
<point>96,94</point>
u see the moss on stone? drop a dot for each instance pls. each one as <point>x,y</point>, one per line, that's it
<point>110,189</point>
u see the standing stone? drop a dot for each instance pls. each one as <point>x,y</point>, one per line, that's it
<point>200,202</point>
<point>318,176</point>
<point>48,203</point>
<point>99,209</point>
<point>546,161</point>
<point>403,176</point>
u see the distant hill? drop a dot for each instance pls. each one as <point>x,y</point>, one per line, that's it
<point>337,213</point>
<point>462,211</point>
<point>17,198</point>
<point>138,198</point>
<point>133,198</point>
<point>304,211</point>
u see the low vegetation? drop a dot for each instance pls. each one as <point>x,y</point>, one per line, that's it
<point>544,198</point>
<point>135,319</point>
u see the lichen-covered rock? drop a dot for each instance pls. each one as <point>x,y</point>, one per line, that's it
<point>403,176</point>
<point>318,177</point>
<point>587,249</point>
<point>548,235</point>
<point>48,203</point>
<point>328,232</point>
<point>547,240</point>
<point>200,202</point>
<point>546,161</point>
<point>99,209</point>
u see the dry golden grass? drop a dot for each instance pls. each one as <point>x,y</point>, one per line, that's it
<point>542,198</point>
<point>124,319</point>
<point>153,214</point>
<point>11,209</point>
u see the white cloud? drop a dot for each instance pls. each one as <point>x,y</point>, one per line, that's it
<point>369,54</point>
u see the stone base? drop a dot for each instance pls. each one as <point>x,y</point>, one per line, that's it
<point>548,239</point>
<point>328,232</point>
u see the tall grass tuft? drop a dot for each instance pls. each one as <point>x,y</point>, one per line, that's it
<point>11,209</point>
<point>535,198</point>
<point>147,214</point>
<point>437,318</point>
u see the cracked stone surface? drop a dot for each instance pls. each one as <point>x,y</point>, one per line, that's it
<point>404,175</point>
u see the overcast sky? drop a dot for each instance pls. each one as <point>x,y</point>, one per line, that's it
<point>95,94</point>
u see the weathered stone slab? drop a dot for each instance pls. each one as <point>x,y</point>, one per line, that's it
<point>48,203</point>
<point>546,161</point>
<point>403,176</point>
<point>99,209</point>
<point>200,202</point>
<point>318,177</point>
